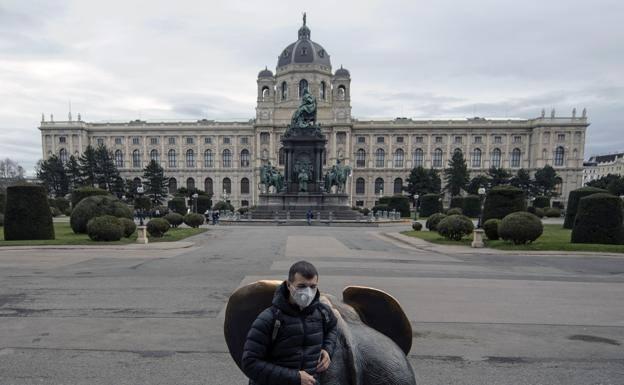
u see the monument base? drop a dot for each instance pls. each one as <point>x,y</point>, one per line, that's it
<point>296,206</point>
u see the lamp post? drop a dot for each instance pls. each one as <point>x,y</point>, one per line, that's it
<point>481,192</point>
<point>140,192</point>
<point>416,196</point>
<point>195,202</point>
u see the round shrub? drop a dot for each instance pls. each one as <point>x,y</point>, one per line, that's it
<point>598,220</point>
<point>539,212</point>
<point>454,211</point>
<point>552,212</point>
<point>203,203</point>
<point>28,214</point>
<point>193,220</point>
<point>416,226</point>
<point>68,211</point>
<point>55,212</point>
<point>129,227</point>
<point>365,211</point>
<point>573,202</point>
<point>434,220</point>
<point>503,200</point>
<point>162,211</point>
<point>83,192</point>
<point>541,202</point>
<point>96,206</point>
<point>455,227</point>
<point>157,227</point>
<point>430,204</point>
<point>520,227</point>
<point>178,205</point>
<point>174,219</point>
<point>490,227</point>
<point>472,206</point>
<point>105,228</point>
<point>223,206</point>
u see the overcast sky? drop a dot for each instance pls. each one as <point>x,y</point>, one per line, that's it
<point>155,60</point>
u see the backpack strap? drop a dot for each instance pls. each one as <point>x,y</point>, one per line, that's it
<point>276,324</point>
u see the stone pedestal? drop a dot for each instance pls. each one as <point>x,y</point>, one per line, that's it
<point>477,238</point>
<point>142,234</point>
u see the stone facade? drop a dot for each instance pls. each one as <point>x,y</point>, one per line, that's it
<point>602,165</point>
<point>225,157</point>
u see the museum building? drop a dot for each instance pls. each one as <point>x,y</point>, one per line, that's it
<point>224,158</point>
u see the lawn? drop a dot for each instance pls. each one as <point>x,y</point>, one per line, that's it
<point>65,236</point>
<point>555,237</point>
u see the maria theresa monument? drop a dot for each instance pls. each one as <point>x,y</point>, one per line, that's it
<point>245,162</point>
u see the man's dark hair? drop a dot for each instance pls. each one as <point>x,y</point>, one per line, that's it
<point>306,269</point>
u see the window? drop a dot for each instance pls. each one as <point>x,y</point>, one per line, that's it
<point>515,157</point>
<point>437,158</point>
<point>153,141</point>
<point>419,139</point>
<point>476,158</point>
<point>379,185</point>
<point>135,140</point>
<point>265,137</point>
<point>398,186</point>
<point>190,158</point>
<point>171,141</point>
<point>265,93</point>
<point>560,137</point>
<point>190,184</point>
<point>226,140</point>
<point>100,141</point>
<point>244,203</point>
<point>189,140</point>
<point>207,140</point>
<point>418,158</point>
<point>171,158</point>
<point>458,140</point>
<point>498,139</point>
<point>227,158</point>
<point>341,137</point>
<point>280,157</point>
<point>359,203</point>
<point>380,158</point>
<point>496,158</point>
<point>136,159</point>
<point>361,139</point>
<point>399,139</point>
<point>398,158</point>
<point>244,158</point>
<point>517,139</point>
<point>284,91</point>
<point>244,140</point>
<point>63,155</point>
<point>360,186</point>
<point>342,92</point>
<point>208,188</point>
<point>119,159</point>
<point>323,90</point>
<point>303,85</point>
<point>155,156</point>
<point>118,140</point>
<point>227,185</point>
<point>244,186</point>
<point>62,139</point>
<point>360,158</point>
<point>438,139</point>
<point>477,140</point>
<point>559,152</point>
<point>173,185</point>
<point>208,160</point>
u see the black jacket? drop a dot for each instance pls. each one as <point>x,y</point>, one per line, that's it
<point>297,345</point>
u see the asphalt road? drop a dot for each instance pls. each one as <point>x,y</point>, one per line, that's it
<point>144,316</point>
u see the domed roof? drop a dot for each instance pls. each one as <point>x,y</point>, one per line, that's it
<point>304,50</point>
<point>342,72</point>
<point>265,73</point>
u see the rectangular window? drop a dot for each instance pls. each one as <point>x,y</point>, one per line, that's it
<point>207,140</point>
<point>135,140</point>
<point>361,139</point>
<point>399,139</point>
<point>153,141</point>
<point>419,139</point>
<point>498,139</point>
<point>359,203</point>
<point>458,140</point>
<point>560,137</point>
<point>171,140</point>
<point>517,139</point>
<point>226,140</point>
<point>438,139</point>
<point>189,140</point>
<point>477,140</point>
<point>118,141</point>
<point>380,139</point>
<point>265,137</point>
<point>341,137</point>
<point>244,140</point>
<point>62,139</point>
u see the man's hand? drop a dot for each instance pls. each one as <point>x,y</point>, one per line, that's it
<point>306,379</point>
<point>323,362</point>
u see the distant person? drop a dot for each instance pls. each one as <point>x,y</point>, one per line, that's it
<point>207,215</point>
<point>309,216</point>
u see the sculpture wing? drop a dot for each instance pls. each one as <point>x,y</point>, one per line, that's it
<point>242,309</point>
<point>382,312</point>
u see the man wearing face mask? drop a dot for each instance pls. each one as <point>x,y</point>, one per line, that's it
<point>291,342</point>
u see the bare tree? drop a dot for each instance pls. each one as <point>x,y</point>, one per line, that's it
<point>10,169</point>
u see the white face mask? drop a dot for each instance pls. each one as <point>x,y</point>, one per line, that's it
<point>304,296</point>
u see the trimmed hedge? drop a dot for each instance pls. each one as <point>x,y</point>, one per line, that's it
<point>28,215</point>
<point>96,206</point>
<point>491,228</point>
<point>129,227</point>
<point>520,228</point>
<point>539,212</point>
<point>430,204</point>
<point>2,202</point>
<point>457,202</point>
<point>203,203</point>
<point>83,192</point>
<point>174,219</point>
<point>105,228</point>
<point>455,227</point>
<point>573,202</point>
<point>143,202</point>
<point>157,227</point>
<point>502,201</point>
<point>178,205</point>
<point>193,220</point>
<point>60,203</point>
<point>399,203</point>
<point>434,220</point>
<point>454,211</point>
<point>55,212</point>
<point>541,202</point>
<point>472,206</point>
<point>599,220</point>
<point>416,226</point>
<point>552,212</point>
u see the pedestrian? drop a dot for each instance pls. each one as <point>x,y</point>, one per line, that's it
<point>292,341</point>
<point>207,215</point>
<point>309,216</point>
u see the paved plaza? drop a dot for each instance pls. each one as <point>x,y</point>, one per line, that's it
<point>154,315</point>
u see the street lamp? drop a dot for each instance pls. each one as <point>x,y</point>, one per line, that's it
<point>195,202</point>
<point>140,192</point>
<point>481,193</point>
<point>416,196</point>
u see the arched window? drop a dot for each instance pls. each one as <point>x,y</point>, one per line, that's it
<point>360,186</point>
<point>419,158</point>
<point>515,157</point>
<point>136,159</point>
<point>303,85</point>
<point>227,158</point>
<point>119,159</point>
<point>342,92</point>
<point>559,153</point>
<point>190,184</point>
<point>398,186</point>
<point>171,158</point>
<point>155,156</point>
<point>398,158</point>
<point>265,93</point>
<point>244,158</point>
<point>379,185</point>
<point>437,157</point>
<point>323,90</point>
<point>280,158</point>
<point>496,158</point>
<point>244,186</point>
<point>208,159</point>
<point>284,91</point>
<point>173,185</point>
<point>360,158</point>
<point>380,157</point>
<point>190,158</point>
<point>476,158</point>
<point>63,155</point>
<point>208,188</point>
<point>227,185</point>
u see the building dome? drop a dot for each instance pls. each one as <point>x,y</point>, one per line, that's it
<point>304,50</point>
<point>342,72</point>
<point>265,73</point>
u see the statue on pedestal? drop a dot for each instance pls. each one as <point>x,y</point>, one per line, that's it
<point>303,171</point>
<point>270,176</point>
<point>337,176</point>
<point>303,121</point>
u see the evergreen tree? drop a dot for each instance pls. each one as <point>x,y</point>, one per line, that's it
<point>52,175</point>
<point>456,175</point>
<point>421,182</point>
<point>72,169</point>
<point>523,181</point>
<point>119,187</point>
<point>155,182</point>
<point>106,170</point>
<point>546,180</point>
<point>604,181</point>
<point>498,176</point>
<point>477,182</point>
<point>88,167</point>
